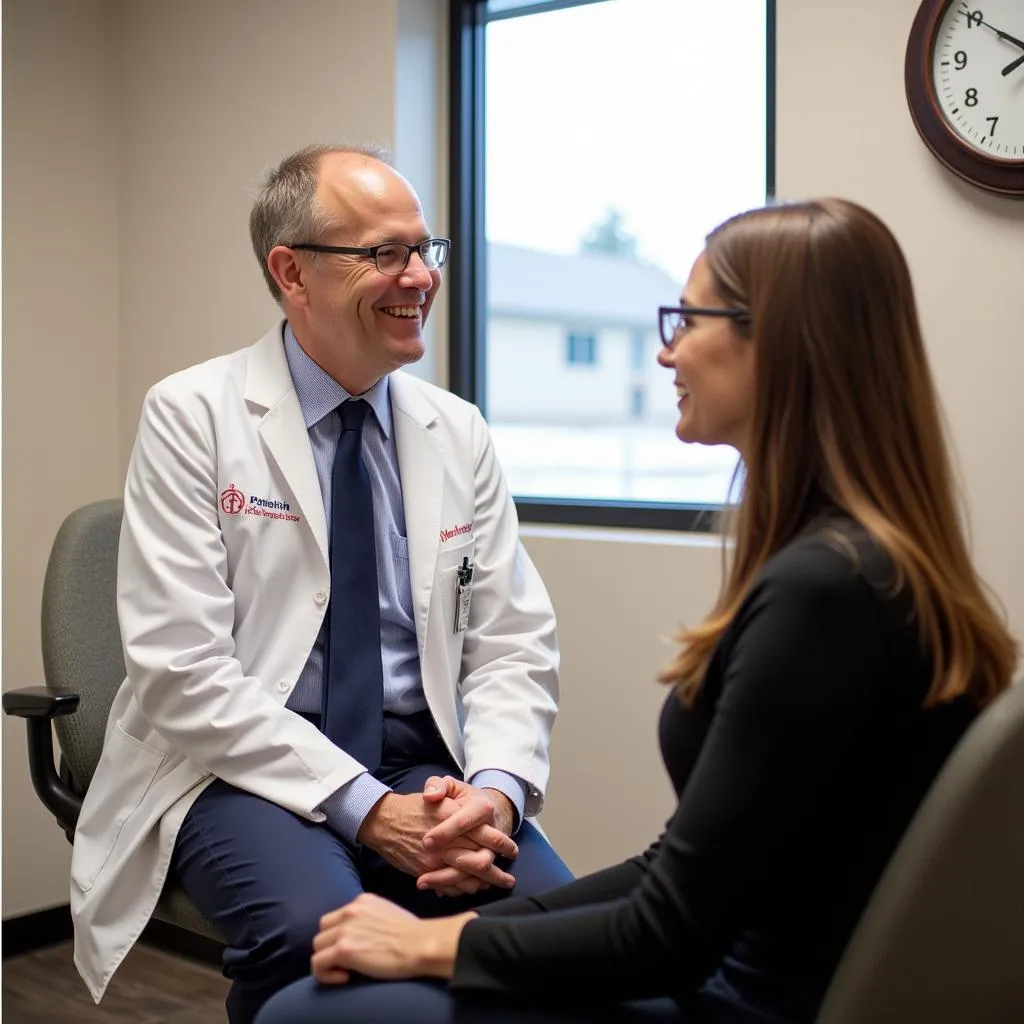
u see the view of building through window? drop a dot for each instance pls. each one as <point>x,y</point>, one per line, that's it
<point>617,135</point>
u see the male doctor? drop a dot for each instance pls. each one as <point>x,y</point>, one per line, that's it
<point>324,608</point>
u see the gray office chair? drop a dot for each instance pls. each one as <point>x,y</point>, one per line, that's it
<point>942,939</point>
<point>83,666</point>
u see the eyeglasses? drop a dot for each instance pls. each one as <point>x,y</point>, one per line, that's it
<point>391,257</point>
<point>673,319</point>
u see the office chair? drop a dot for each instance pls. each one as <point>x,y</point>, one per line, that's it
<point>83,667</point>
<point>942,938</point>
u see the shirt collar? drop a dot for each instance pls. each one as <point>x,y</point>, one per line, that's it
<point>320,394</point>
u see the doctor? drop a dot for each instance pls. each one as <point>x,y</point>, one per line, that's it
<point>323,603</point>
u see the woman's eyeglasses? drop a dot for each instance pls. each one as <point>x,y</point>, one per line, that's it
<point>673,319</point>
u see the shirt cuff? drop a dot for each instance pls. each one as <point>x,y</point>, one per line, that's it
<point>511,785</point>
<point>346,808</point>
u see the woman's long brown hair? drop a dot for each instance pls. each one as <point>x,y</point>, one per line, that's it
<point>845,410</point>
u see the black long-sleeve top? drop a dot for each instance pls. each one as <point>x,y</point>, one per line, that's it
<point>797,769</point>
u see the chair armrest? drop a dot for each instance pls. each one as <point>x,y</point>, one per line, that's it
<point>40,702</point>
<point>38,705</point>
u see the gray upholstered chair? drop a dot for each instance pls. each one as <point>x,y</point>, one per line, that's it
<point>942,939</point>
<point>83,666</point>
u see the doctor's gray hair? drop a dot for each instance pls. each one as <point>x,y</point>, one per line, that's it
<point>286,210</point>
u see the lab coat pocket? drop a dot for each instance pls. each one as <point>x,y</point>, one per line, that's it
<point>126,770</point>
<point>449,559</point>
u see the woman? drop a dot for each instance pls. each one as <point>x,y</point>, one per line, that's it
<point>850,647</point>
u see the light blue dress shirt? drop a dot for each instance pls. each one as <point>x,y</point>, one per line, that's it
<point>319,396</point>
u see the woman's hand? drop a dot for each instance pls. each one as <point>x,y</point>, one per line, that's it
<point>374,937</point>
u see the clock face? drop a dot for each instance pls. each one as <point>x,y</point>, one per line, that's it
<point>978,75</point>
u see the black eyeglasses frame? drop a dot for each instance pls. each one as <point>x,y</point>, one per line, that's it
<point>731,312</point>
<point>370,252</point>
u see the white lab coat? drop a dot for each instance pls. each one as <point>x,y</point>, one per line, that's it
<point>220,603</point>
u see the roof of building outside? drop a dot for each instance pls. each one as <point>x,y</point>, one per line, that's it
<point>588,287</point>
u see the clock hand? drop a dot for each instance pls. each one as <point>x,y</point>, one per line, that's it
<point>1013,65</point>
<point>1003,35</point>
<point>1008,38</point>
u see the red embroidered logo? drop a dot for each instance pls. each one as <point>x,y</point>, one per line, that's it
<point>232,501</point>
<point>455,531</point>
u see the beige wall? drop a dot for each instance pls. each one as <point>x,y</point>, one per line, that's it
<point>213,94</point>
<point>965,247</point>
<point>216,93</point>
<point>204,105</point>
<point>60,360</point>
<point>619,596</point>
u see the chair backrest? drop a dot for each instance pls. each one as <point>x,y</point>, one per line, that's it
<point>81,638</point>
<point>942,938</point>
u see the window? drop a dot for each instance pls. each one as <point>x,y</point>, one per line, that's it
<point>581,348</point>
<point>584,178</point>
<point>639,402</point>
<point>641,353</point>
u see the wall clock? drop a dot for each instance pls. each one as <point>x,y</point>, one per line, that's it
<point>964,75</point>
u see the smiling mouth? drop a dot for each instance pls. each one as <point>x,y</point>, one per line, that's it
<point>402,312</point>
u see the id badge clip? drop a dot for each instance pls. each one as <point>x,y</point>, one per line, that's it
<point>463,590</point>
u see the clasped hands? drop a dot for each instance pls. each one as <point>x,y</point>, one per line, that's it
<point>447,837</point>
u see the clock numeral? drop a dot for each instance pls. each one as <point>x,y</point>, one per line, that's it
<point>975,18</point>
<point>971,98</point>
<point>960,59</point>
<point>993,121</point>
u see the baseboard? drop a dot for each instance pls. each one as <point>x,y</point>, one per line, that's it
<point>171,939</point>
<point>29,932</point>
<point>41,928</point>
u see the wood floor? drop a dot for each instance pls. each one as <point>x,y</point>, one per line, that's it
<point>150,987</point>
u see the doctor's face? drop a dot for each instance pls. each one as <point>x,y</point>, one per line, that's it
<point>357,323</point>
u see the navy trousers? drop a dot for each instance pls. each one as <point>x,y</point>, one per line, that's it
<point>429,1002</point>
<point>738,992</point>
<point>265,877</point>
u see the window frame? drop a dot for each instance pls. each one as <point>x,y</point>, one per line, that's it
<point>467,264</point>
<point>575,338</point>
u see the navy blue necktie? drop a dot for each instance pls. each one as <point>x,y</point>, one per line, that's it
<point>353,710</point>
